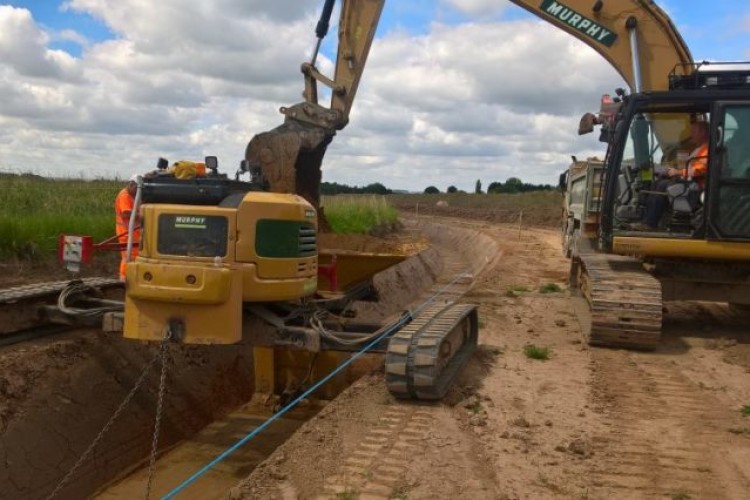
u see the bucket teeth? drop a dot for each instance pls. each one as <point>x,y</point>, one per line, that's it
<point>426,355</point>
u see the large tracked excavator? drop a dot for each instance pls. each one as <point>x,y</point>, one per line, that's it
<point>646,225</point>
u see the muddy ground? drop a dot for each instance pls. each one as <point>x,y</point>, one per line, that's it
<point>585,423</point>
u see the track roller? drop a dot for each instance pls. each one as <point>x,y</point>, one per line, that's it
<point>425,356</point>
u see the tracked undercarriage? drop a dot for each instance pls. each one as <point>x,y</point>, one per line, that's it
<point>424,357</point>
<point>30,306</point>
<point>625,300</point>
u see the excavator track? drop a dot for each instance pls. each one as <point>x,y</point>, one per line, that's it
<point>425,356</point>
<point>20,307</point>
<point>625,301</point>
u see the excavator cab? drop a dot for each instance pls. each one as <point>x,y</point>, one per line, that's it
<point>654,155</point>
<point>655,183</point>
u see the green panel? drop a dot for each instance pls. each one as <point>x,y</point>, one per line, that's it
<point>284,239</point>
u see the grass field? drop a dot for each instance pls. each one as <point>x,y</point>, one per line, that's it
<point>358,213</point>
<point>538,208</point>
<point>34,211</point>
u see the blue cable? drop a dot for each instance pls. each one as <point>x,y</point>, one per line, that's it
<point>405,318</point>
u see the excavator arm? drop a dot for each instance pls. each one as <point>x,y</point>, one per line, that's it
<point>635,36</point>
<point>288,158</point>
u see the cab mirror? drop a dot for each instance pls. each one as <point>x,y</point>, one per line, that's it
<point>212,163</point>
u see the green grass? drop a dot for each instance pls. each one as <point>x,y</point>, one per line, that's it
<point>745,411</point>
<point>535,352</point>
<point>550,288</point>
<point>347,495</point>
<point>35,211</point>
<point>681,496</point>
<point>358,213</point>
<point>516,290</point>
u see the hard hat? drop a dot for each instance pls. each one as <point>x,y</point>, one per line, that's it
<point>133,178</point>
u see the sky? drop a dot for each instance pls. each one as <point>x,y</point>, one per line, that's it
<point>454,91</point>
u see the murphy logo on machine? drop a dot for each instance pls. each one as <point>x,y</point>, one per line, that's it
<point>190,221</point>
<point>581,23</point>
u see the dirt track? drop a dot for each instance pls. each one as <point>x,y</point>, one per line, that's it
<point>587,423</point>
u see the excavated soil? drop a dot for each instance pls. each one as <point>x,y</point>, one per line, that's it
<point>57,394</point>
<point>584,423</point>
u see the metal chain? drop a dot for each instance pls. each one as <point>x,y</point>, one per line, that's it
<point>159,410</point>
<point>65,480</point>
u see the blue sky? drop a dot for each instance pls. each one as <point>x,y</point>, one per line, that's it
<point>449,95</point>
<point>713,29</point>
<point>54,17</point>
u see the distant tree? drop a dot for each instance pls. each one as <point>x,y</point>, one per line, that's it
<point>377,188</point>
<point>451,189</point>
<point>478,187</point>
<point>514,185</point>
<point>431,190</point>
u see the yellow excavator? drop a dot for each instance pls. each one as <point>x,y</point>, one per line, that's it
<point>227,260</point>
<point>639,234</point>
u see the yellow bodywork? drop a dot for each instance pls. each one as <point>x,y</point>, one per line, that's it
<point>204,293</point>
<point>672,247</point>
<point>279,369</point>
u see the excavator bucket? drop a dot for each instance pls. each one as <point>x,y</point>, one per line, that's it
<point>352,268</point>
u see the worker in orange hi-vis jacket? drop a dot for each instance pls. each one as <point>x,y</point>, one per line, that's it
<point>123,211</point>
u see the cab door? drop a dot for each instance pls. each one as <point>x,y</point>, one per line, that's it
<point>729,172</point>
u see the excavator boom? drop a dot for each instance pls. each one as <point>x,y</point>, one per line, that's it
<point>288,158</point>
<point>635,36</point>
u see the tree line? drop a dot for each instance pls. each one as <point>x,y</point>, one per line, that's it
<point>512,185</point>
<point>331,188</point>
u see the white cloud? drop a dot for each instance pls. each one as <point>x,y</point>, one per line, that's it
<point>183,79</point>
<point>478,7</point>
<point>23,48</point>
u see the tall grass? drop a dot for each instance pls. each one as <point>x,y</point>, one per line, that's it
<point>34,211</point>
<point>358,213</point>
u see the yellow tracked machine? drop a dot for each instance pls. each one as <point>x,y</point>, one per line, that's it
<point>228,260</point>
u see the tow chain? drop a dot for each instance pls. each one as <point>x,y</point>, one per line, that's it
<point>164,354</point>
<point>161,355</point>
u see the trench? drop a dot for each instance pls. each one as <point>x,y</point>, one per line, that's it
<point>62,391</point>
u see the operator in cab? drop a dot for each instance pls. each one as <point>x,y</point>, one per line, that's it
<point>124,203</point>
<point>694,167</point>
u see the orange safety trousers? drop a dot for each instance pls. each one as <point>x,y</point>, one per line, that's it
<point>123,207</point>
